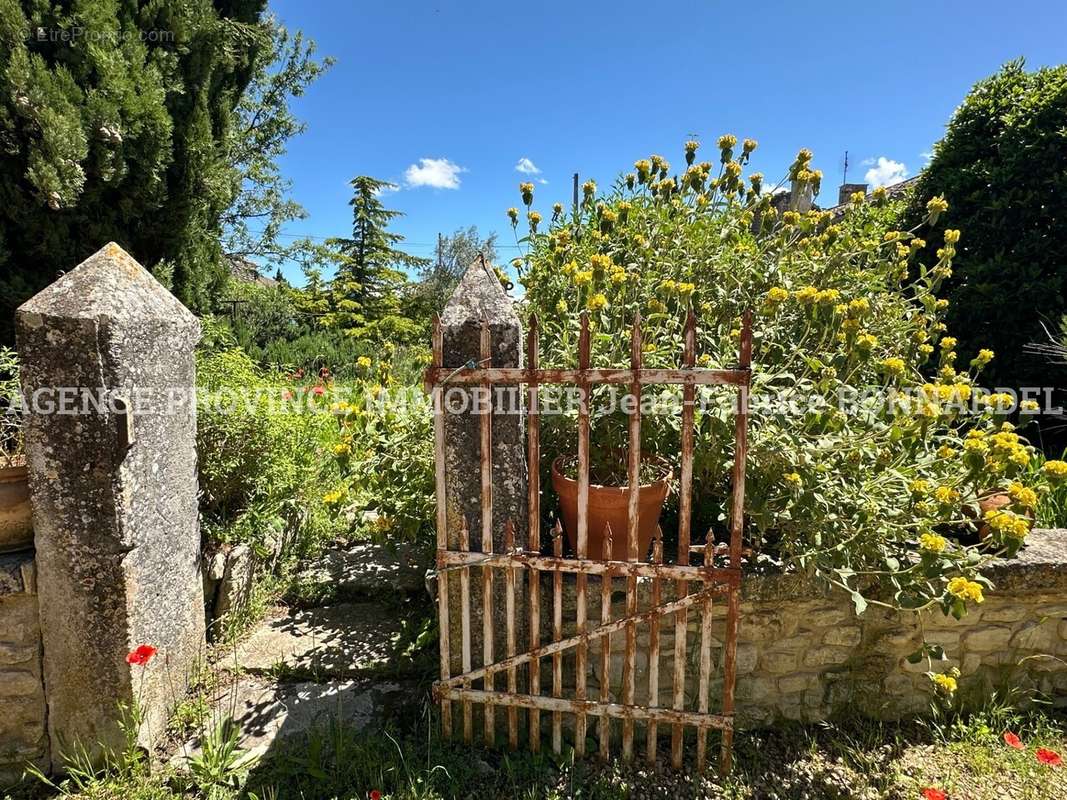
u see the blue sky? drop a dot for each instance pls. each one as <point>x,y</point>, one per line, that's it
<point>446,98</point>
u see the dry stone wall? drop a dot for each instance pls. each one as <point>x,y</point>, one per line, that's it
<point>23,738</point>
<point>804,654</point>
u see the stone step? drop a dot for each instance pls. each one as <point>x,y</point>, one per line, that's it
<point>332,642</point>
<point>269,715</point>
<point>366,569</point>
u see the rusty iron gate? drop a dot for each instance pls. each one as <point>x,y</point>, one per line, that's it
<point>712,581</point>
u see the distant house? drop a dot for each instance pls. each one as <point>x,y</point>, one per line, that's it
<point>846,190</point>
<point>783,201</point>
<point>241,269</point>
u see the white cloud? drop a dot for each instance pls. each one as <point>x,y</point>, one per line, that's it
<point>438,173</point>
<point>542,181</point>
<point>527,167</point>
<point>885,171</point>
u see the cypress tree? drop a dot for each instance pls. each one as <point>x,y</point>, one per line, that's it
<point>112,119</point>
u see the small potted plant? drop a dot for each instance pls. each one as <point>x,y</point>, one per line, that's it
<point>16,525</point>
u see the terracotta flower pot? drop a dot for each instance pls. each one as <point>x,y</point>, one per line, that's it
<point>609,505</point>
<point>16,525</point>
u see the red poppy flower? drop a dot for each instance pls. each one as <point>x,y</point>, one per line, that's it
<point>1011,740</point>
<point>287,395</point>
<point>375,795</point>
<point>141,656</point>
<point>317,391</point>
<point>1050,757</point>
<point>930,793</point>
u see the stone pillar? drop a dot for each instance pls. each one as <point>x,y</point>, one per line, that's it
<point>479,296</point>
<point>108,371</point>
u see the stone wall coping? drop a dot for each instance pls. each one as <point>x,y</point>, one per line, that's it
<point>1040,566</point>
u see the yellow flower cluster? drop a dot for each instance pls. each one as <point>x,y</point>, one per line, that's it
<point>966,590</point>
<point>332,498</point>
<point>946,495</point>
<point>945,683</point>
<point>1055,470</point>
<point>775,295</point>
<point>866,342</point>
<point>932,543</point>
<point>1023,495</point>
<point>363,362</point>
<point>893,366</point>
<point>919,487</point>
<point>342,449</point>
<point>1007,523</point>
<point>793,479</point>
<point>597,302</point>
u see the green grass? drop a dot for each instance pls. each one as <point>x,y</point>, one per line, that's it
<point>964,756</point>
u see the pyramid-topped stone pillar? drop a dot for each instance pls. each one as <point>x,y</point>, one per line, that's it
<point>108,373</point>
<point>480,296</point>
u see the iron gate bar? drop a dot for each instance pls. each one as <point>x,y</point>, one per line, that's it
<point>583,527</point>
<point>582,638</point>
<point>451,559</point>
<point>442,517</point>
<point>486,437</point>
<point>512,376</point>
<point>633,521</point>
<point>617,710</point>
<point>716,580</point>
<point>685,509</point>
<point>533,503</point>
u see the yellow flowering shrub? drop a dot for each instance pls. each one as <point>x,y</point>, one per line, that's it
<point>883,491</point>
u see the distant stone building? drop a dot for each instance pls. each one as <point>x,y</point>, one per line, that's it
<point>241,269</point>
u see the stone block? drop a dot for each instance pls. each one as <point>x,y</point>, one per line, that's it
<point>756,689</point>
<point>1034,637</point>
<point>797,683</point>
<point>113,486</point>
<point>778,662</point>
<point>843,636</point>
<point>1005,612</point>
<point>826,656</point>
<point>823,616</point>
<point>986,638</point>
<point>747,656</point>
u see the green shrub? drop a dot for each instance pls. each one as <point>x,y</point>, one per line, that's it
<point>884,491</point>
<point>1002,166</point>
<point>262,462</point>
<point>384,452</point>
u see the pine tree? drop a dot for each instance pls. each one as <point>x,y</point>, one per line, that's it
<point>370,280</point>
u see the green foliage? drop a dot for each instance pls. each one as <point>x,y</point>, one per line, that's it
<point>261,132</point>
<point>11,443</point>
<point>219,768</point>
<point>119,134</point>
<point>263,314</point>
<point>261,460</point>
<point>384,452</point>
<point>364,298</point>
<point>1002,167</point>
<point>875,495</point>
<point>439,277</point>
